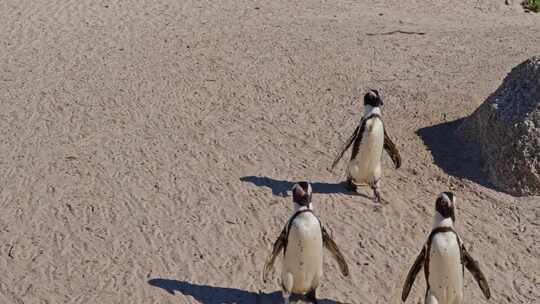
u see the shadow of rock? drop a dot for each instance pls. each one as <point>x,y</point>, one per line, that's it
<point>219,295</point>
<point>452,154</point>
<point>280,187</point>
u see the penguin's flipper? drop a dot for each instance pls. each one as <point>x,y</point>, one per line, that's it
<point>473,267</point>
<point>411,276</point>
<point>333,248</point>
<point>279,244</point>
<point>392,150</point>
<point>346,146</point>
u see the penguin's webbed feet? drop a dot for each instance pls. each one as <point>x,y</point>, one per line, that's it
<point>377,196</point>
<point>312,296</point>
<point>286,297</point>
<point>350,186</point>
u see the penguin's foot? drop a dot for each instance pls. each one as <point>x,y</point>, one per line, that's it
<point>350,186</point>
<point>286,297</point>
<point>377,195</point>
<point>312,296</point>
<point>287,284</point>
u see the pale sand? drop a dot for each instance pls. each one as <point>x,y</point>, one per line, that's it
<point>144,142</point>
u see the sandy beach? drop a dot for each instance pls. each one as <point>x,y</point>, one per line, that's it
<point>147,148</point>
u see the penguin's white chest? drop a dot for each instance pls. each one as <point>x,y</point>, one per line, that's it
<point>365,168</point>
<point>445,269</point>
<point>303,259</point>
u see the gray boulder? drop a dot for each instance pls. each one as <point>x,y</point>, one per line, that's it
<point>507,129</point>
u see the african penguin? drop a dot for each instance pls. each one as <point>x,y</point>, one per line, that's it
<point>368,141</point>
<point>302,241</point>
<point>444,258</point>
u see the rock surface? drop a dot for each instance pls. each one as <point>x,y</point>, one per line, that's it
<point>507,128</point>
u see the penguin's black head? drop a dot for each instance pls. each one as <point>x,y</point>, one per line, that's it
<point>445,205</point>
<point>302,194</point>
<point>373,98</point>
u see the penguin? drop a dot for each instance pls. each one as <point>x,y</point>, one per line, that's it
<point>302,241</point>
<point>444,258</point>
<point>368,140</point>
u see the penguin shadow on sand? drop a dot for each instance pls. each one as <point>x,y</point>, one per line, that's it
<point>206,294</point>
<point>280,187</point>
<point>452,153</point>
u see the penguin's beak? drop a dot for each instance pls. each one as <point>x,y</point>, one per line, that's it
<point>304,200</point>
<point>298,194</point>
<point>379,97</point>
